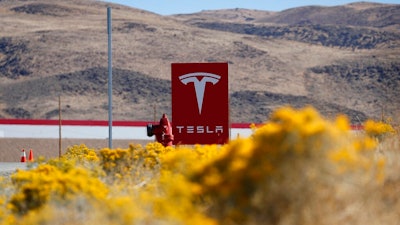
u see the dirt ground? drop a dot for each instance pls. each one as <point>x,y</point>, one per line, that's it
<point>11,148</point>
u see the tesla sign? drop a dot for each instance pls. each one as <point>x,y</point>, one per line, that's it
<point>200,105</point>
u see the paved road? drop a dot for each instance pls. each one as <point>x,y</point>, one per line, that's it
<point>7,168</point>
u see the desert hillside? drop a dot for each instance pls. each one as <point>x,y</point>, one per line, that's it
<point>341,60</point>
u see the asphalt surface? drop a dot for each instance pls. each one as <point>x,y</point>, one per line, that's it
<point>7,168</point>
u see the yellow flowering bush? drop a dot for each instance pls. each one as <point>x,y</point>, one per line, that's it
<point>77,156</point>
<point>81,153</point>
<point>292,156</point>
<point>36,187</point>
<point>378,129</point>
<point>183,159</point>
<point>3,198</point>
<point>169,199</point>
<point>134,164</point>
<point>296,168</point>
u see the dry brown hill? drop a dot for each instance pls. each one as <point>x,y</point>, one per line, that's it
<point>342,59</point>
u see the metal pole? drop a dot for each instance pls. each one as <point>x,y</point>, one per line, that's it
<point>109,31</point>
<point>59,126</point>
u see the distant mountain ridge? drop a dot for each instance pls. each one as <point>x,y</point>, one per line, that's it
<point>341,59</point>
<point>355,14</point>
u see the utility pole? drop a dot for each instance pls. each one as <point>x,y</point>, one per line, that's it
<point>109,31</point>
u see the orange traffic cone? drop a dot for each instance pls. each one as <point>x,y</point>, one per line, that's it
<point>23,156</point>
<point>30,156</point>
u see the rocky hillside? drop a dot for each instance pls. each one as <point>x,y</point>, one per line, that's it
<point>341,60</point>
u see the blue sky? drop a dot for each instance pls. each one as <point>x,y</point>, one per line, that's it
<point>168,7</point>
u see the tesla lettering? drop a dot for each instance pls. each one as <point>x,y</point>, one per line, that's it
<point>200,129</point>
<point>199,79</point>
